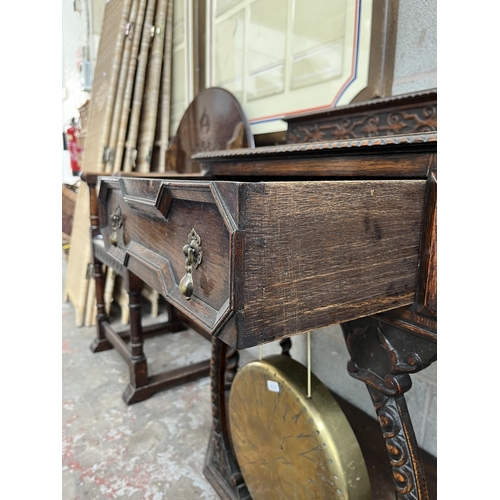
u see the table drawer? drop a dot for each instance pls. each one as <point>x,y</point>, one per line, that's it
<point>276,258</point>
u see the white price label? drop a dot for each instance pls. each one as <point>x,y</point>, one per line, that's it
<point>273,386</point>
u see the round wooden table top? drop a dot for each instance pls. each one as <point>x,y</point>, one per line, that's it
<point>214,121</point>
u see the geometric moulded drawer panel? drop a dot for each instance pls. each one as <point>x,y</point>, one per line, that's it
<point>253,262</point>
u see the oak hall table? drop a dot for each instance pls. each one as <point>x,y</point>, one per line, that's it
<point>279,240</point>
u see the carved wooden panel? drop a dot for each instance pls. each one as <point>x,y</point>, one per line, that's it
<point>400,115</point>
<point>156,220</point>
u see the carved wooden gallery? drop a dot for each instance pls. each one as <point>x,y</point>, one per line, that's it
<point>270,186</point>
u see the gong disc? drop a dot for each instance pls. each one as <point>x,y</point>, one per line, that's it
<point>289,446</point>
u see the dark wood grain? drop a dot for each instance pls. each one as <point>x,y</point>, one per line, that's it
<point>426,300</point>
<point>383,356</point>
<point>221,467</point>
<point>322,253</point>
<point>153,236</point>
<point>334,250</point>
<point>403,156</point>
<point>371,441</point>
<point>153,230</point>
<point>302,236</point>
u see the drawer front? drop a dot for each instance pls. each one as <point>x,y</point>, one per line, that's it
<point>318,253</point>
<point>278,258</point>
<point>173,237</point>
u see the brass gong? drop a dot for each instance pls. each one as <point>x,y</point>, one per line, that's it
<point>288,446</point>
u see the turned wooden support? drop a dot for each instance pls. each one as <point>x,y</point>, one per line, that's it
<point>221,467</point>
<point>100,279</point>
<point>91,180</point>
<point>138,364</point>
<point>133,286</point>
<point>98,272</point>
<point>383,356</point>
<point>232,361</point>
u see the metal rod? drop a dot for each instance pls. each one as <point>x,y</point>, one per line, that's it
<point>308,365</point>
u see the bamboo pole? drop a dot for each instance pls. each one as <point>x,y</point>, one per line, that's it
<point>122,111</point>
<point>105,82</point>
<point>127,96</point>
<point>149,113</point>
<point>166,87</point>
<point>120,86</point>
<point>140,78</point>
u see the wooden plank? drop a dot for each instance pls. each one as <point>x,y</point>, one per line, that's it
<point>76,285</point>
<point>105,82</point>
<point>91,306</point>
<point>308,254</point>
<point>390,156</point>
<point>426,302</point>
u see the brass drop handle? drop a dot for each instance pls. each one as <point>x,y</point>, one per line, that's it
<point>116,223</point>
<point>192,252</point>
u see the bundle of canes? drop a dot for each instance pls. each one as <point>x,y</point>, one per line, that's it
<point>130,159</point>
<point>148,120</point>
<point>120,87</point>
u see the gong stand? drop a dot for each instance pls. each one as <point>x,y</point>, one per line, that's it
<point>383,356</point>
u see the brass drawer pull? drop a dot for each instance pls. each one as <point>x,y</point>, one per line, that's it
<point>116,223</point>
<point>193,254</point>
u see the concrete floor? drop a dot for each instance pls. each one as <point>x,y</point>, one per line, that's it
<point>151,450</point>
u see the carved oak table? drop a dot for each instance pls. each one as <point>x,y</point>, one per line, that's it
<point>277,241</point>
<point>361,254</point>
<point>338,226</point>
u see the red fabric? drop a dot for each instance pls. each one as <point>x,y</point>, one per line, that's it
<point>73,148</point>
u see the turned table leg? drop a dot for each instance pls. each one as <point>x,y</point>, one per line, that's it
<point>382,357</point>
<point>221,467</point>
<point>137,365</point>
<point>100,343</point>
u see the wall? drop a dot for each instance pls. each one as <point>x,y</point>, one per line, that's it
<point>79,29</point>
<point>415,66</point>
